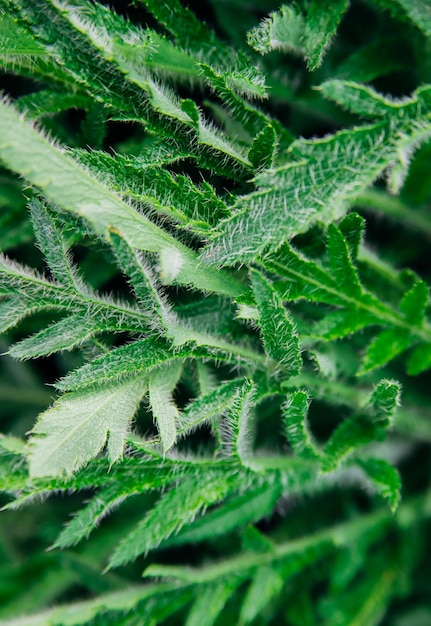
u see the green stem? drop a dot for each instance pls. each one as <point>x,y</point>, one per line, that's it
<point>334,537</point>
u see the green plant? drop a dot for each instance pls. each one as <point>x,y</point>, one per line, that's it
<point>205,270</point>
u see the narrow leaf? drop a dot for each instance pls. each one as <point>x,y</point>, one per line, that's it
<point>175,509</point>
<point>385,478</point>
<point>161,385</point>
<point>210,602</point>
<point>279,333</point>
<point>296,428</point>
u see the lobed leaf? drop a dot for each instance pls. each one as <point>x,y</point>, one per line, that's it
<point>78,426</point>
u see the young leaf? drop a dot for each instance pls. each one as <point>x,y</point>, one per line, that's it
<point>296,428</point>
<point>383,348</point>
<point>266,585</point>
<point>302,28</point>
<point>262,149</point>
<point>77,427</point>
<point>279,333</point>
<point>160,386</point>
<point>414,303</point>
<point>281,30</point>
<point>320,27</point>
<point>210,602</point>
<point>209,405</point>
<point>362,428</point>
<point>239,421</point>
<point>385,478</point>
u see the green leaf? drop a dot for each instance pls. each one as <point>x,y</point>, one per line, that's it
<point>296,428</point>
<point>77,427</point>
<point>385,400</point>
<point>210,602</point>
<point>281,30</point>
<point>342,269</point>
<point>209,405</point>
<point>240,418</point>
<point>66,334</point>
<point>73,188</point>
<point>364,427</point>
<point>414,303</point>
<point>120,363</point>
<point>385,478</point>
<point>144,286</point>
<point>419,11</point>
<point>266,585</point>
<point>320,27</point>
<point>302,28</point>
<point>16,42</point>
<point>318,184</point>
<point>160,386</point>
<point>175,509</point>
<point>261,152</point>
<point>359,99</point>
<point>237,511</point>
<point>279,334</point>
<point>419,359</point>
<point>383,348</point>
<point>53,245</point>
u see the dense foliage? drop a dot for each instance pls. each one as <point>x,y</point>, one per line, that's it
<point>216,372</point>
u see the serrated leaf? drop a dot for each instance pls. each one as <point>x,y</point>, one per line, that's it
<point>385,478</point>
<point>342,269</point>
<point>239,421</point>
<point>210,602</point>
<point>52,245</point>
<point>279,334</point>
<point>175,509</point>
<point>295,424</point>
<point>364,427</point>
<point>209,405</point>
<point>261,152</point>
<point>78,426</point>
<point>238,511</point>
<point>119,363</point>
<point>16,42</point>
<point>359,99</point>
<point>384,401</point>
<point>352,229</point>
<point>266,584</point>
<point>319,182</point>
<point>414,303</point>
<point>161,384</point>
<point>144,285</point>
<point>66,334</point>
<point>281,30</point>
<point>419,359</point>
<point>320,27</point>
<point>383,348</point>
